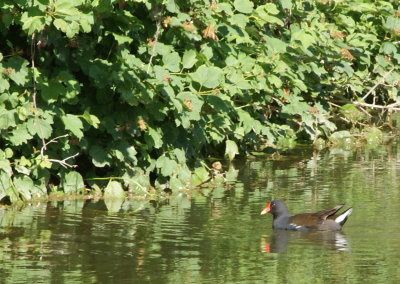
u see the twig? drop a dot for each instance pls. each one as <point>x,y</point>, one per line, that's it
<point>44,147</point>
<point>333,104</point>
<point>381,81</point>
<point>64,163</point>
<point>364,111</point>
<point>33,49</point>
<point>156,35</point>
<point>393,106</point>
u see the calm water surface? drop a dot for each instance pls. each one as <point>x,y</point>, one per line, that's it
<point>218,236</point>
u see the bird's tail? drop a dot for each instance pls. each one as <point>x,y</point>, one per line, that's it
<point>342,218</point>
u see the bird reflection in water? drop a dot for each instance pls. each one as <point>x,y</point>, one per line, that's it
<point>280,240</point>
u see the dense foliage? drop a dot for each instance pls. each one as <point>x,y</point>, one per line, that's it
<point>141,92</point>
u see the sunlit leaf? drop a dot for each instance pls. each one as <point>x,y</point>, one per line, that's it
<point>210,77</point>
<point>40,126</point>
<point>200,176</point>
<point>72,182</point>
<point>24,185</point>
<point>231,149</point>
<point>189,59</point>
<point>243,6</point>
<point>73,124</point>
<point>172,61</point>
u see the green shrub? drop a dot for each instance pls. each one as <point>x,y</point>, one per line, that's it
<point>143,91</point>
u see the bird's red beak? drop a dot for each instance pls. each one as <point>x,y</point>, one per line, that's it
<point>266,209</point>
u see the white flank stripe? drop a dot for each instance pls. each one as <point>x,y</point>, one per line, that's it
<point>294,226</point>
<point>340,218</point>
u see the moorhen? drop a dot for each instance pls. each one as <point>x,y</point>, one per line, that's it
<point>324,220</point>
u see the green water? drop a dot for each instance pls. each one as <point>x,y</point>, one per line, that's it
<point>218,236</point>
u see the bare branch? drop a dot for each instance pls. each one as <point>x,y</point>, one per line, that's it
<point>393,106</point>
<point>364,111</point>
<point>156,35</point>
<point>54,140</point>
<point>33,49</point>
<point>64,163</point>
<point>381,81</point>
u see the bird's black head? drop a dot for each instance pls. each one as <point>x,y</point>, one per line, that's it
<point>275,207</point>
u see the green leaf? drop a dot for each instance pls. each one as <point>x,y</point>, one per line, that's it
<point>114,190</point>
<point>32,24</point>
<point>243,6</point>
<point>272,20</point>
<point>73,124</point>
<point>276,45</point>
<point>20,135</point>
<point>99,156</point>
<point>161,73</point>
<point>189,59</point>
<point>200,175</point>
<point>8,152</point>
<point>388,48</point>
<point>39,126</point>
<point>239,20</point>
<point>72,182</point>
<point>125,151</point>
<point>45,163</point>
<point>172,61</point>
<point>91,119</point>
<point>22,169</point>
<point>166,165</point>
<point>121,39</point>
<point>270,8</point>
<point>231,149</point>
<point>171,6</point>
<point>286,4</point>
<point>114,196</point>
<point>66,8</point>
<point>24,186</point>
<point>305,38</point>
<point>352,113</point>
<point>193,105</point>
<point>176,184</point>
<point>20,72</point>
<point>51,90</point>
<point>266,14</point>
<point>61,25</point>
<point>5,166</point>
<point>274,80</point>
<point>237,78</point>
<point>346,20</point>
<point>7,118</point>
<point>180,155</point>
<point>4,84</point>
<point>296,107</point>
<point>392,23</point>
<point>210,77</point>
<point>156,138</point>
<point>5,184</point>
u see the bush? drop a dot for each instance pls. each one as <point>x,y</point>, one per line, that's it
<point>144,91</point>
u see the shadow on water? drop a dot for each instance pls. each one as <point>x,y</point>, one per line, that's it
<point>280,240</point>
